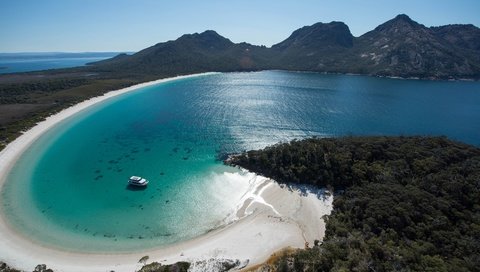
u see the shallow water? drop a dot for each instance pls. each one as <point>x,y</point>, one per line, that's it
<point>69,190</point>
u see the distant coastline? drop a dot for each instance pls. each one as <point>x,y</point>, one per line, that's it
<point>380,76</point>
<point>38,61</point>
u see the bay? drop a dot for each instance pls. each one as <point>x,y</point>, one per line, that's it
<point>69,189</point>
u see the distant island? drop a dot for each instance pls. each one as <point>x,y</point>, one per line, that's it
<point>400,47</point>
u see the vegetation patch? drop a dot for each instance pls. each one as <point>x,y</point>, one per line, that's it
<point>401,203</point>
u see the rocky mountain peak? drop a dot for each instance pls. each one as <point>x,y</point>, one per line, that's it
<point>400,24</point>
<point>207,39</point>
<point>398,47</point>
<point>333,34</point>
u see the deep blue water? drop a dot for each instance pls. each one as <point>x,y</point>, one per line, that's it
<point>26,62</point>
<point>70,189</point>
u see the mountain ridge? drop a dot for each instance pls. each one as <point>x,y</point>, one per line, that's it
<point>400,47</point>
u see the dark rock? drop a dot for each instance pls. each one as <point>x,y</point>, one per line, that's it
<point>42,268</point>
<point>5,268</point>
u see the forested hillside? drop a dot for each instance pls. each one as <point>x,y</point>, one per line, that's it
<point>401,203</point>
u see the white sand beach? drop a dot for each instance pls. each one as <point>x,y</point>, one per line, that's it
<point>270,217</point>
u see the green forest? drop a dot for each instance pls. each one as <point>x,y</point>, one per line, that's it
<point>400,204</point>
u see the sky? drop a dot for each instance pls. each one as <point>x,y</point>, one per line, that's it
<point>131,25</point>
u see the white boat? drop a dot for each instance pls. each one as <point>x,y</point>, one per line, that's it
<point>137,181</point>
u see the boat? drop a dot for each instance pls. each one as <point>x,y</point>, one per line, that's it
<point>137,181</point>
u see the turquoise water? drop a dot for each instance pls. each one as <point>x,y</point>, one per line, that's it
<point>26,62</point>
<point>69,190</point>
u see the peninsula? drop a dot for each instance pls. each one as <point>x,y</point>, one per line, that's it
<point>402,203</point>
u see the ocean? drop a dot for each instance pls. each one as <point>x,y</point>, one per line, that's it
<point>69,190</point>
<point>27,62</point>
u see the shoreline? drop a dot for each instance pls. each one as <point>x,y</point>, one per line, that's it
<point>431,78</point>
<point>262,226</point>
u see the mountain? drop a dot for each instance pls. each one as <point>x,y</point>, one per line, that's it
<point>191,53</point>
<point>399,47</point>
<point>462,36</point>
<point>331,35</point>
<point>402,47</point>
<point>317,47</point>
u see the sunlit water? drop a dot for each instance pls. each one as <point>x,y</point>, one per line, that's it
<point>69,189</point>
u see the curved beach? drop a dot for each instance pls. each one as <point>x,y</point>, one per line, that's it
<point>269,218</point>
